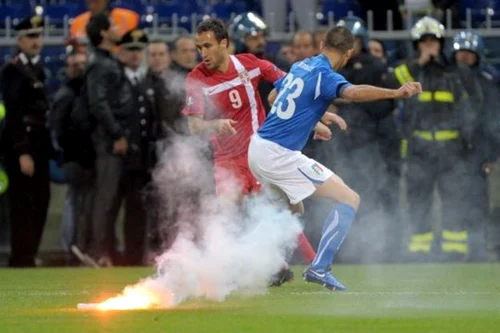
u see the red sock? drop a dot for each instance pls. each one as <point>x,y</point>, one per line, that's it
<point>305,248</point>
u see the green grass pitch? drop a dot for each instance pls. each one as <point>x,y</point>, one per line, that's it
<point>389,298</point>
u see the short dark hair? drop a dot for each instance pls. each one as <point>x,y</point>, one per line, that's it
<point>216,26</point>
<point>179,38</point>
<point>97,23</point>
<point>339,38</point>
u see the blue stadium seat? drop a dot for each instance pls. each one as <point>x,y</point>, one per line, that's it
<point>135,5</point>
<point>224,9</point>
<point>56,13</point>
<point>340,8</point>
<point>478,11</point>
<point>14,10</point>
<point>183,8</point>
<point>239,6</point>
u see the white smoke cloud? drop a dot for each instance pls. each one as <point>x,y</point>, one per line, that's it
<point>222,247</point>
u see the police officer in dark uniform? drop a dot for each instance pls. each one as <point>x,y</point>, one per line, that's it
<point>26,142</point>
<point>438,125</point>
<point>468,49</point>
<point>359,157</point>
<point>149,104</point>
<point>248,32</point>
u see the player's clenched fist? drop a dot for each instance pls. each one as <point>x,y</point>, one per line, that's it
<point>409,89</point>
<point>322,132</point>
<point>226,126</point>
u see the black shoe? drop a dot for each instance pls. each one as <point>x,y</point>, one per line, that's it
<point>283,276</point>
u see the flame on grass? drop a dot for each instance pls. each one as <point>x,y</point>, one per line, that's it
<point>144,295</point>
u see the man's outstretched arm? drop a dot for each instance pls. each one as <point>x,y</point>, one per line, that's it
<point>367,93</point>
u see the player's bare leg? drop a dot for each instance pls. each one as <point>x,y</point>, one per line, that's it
<point>336,190</point>
<point>335,229</point>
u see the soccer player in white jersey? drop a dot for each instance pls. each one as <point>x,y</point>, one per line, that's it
<point>275,157</point>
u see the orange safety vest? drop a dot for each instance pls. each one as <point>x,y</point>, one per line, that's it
<point>124,19</point>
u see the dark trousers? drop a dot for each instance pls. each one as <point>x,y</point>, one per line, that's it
<point>390,194</point>
<point>82,182</point>
<point>444,168</point>
<point>29,201</point>
<point>478,210</point>
<point>389,141</point>
<point>115,184</point>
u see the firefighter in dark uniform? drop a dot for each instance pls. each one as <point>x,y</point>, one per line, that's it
<point>468,49</point>
<point>437,125</point>
<point>26,143</point>
<point>249,32</point>
<point>358,154</point>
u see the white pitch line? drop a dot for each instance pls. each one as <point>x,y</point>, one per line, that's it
<point>401,293</point>
<point>52,293</point>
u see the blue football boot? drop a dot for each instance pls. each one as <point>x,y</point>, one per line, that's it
<point>324,278</point>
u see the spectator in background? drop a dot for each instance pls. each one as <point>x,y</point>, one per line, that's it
<point>159,57</point>
<point>124,19</point>
<point>78,158</point>
<point>148,102</point>
<point>376,48</point>
<point>162,229</point>
<point>319,36</point>
<point>161,210</point>
<point>111,103</point>
<point>160,63</point>
<point>304,45</point>
<point>286,53</point>
<point>26,142</point>
<point>468,50</point>
<point>276,13</point>
<point>184,59</point>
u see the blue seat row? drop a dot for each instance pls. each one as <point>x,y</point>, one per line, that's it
<point>56,10</point>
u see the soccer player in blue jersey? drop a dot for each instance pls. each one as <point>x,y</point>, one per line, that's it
<point>275,157</point>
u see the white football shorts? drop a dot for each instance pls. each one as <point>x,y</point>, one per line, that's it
<point>291,171</point>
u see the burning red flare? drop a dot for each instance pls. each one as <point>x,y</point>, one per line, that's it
<point>136,297</point>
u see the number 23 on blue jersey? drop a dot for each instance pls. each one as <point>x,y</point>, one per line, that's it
<point>285,105</point>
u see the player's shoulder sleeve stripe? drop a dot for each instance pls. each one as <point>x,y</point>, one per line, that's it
<point>341,87</point>
<point>317,92</point>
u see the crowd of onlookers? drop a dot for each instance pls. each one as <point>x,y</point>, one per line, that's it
<point>446,139</point>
